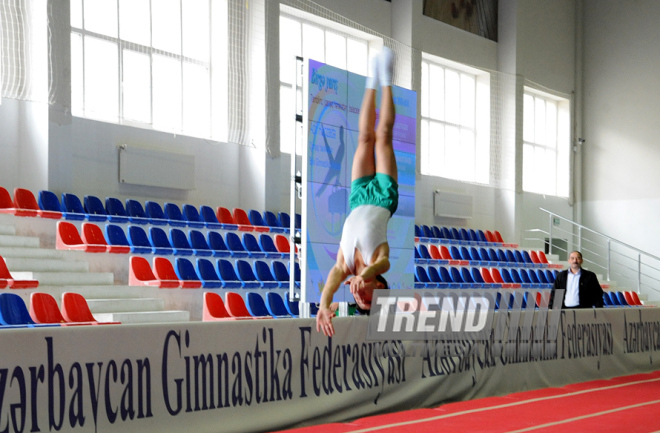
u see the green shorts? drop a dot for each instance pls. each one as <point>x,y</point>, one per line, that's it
<point>378,190</point>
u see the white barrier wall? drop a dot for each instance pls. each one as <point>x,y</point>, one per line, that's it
<point>273,374</point>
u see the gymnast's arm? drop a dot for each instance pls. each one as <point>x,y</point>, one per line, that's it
<point>337,275</point>
<point>380,264</point>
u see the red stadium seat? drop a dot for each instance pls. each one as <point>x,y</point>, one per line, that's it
<point>164,271</point>
<point>25,201</point>
<point>6,279</point>
<point>92,235</point>
<point>236,306</point>
<point>141,274</point>
<point>68,238</point>
<point>6,203</point>
<point>44,309</point>
<point>75,309</point>
<point>498,237</point>
<point>224,216</point>
<point>434,252</point>
<point>215,310</point>
<point>241,218</point>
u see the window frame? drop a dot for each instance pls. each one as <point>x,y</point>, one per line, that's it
<point>478,126</point>
<point>560,146</point>
<point>211,129</point>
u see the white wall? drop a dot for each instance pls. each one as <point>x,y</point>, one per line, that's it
<point>82,156</point>
<point>621,111</point>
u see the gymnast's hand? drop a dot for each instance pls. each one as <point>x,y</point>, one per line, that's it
<point>324,321</point>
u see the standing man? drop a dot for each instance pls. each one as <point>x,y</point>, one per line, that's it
<point>363,250</point>
<point>582,289</point>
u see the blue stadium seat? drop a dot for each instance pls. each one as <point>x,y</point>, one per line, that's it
<point>418,257</point>
<point>527,259</point>
<point>280,272</point>
<point>72,208</point>
<point>457,278</point>
<point>434,276</point>
<point>292,306</point>
<point>256,305</point>
<point>464,235</point>
<point>198,244</point>
<point>421,278</point>
<point>94,208</point>
<point>252,246</point>
<point>228,275</point>
<point>138,240</point>
<point>207,274</point>
<point>174,216</point>
<point>607,302</point>
<point>275,305</point>
<point>192,217</point>
<point>217,244</point>
<point>264,275</point>
<point>185,270</point>
<point>550,276</point>
<point>467,277</point>
<point>515,276</point>
<point>256,219</point>
<point>418,232</point>
<point>298,221</point>
<point>425,255</point>
<point>246,275</point>
<point>155,213</point>
<point>479,279</point>
<point>159,242</point>
<point>50,204</point>
<point>179,242</point>
<point>482,236</point>
<point>207,214</point>
<point>519,257</point>
<point>510,257</point>
<point>622,299</point>
<point>115,236</point>
<point>268,247</point>
<point>285,220</point>
<point>506,276</point>
<point>135,212</point>
<point>235,246</point>
<point>501,255</point>
<point>271,221</point>
<point>543,279</point>
<point>14,313</point>
<point>437,232</point>
<point>492,255</point>
<point>115,210</point>
<point>296,273</point>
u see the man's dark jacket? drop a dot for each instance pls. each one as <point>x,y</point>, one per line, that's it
<point>590,292</point>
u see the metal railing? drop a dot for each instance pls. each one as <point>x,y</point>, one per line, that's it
<point>630,267</point>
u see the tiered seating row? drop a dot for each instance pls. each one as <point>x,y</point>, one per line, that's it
<point>45,312</point>
<point>621,299</point>
<point>236,308</point>
<point>209,275</point>
<point>463,277</point>
<point>113,239</point>
<point>464,256</point>
<point>91,208</point>
<point>460,236</point>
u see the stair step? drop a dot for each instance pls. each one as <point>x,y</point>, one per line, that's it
<point>19,241</point>
<point>28,252</point>
<point>67,278</point>
<point>18,264</point>
<point>6,229</point>
<point>145,317</point>
<point>125,305</point>
<point>107,291</point>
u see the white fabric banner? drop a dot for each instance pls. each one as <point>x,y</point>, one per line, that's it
<point>275,374</point>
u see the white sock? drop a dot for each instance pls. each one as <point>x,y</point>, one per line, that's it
<point>385,66</point>
<point>372,78</point>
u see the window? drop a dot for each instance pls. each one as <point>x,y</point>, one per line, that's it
<point>311,37</point>
<point>455,126</point>
<point>546,137</point>
<point>151,64</point>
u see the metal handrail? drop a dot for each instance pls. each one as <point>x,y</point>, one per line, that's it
<point>636,255</point>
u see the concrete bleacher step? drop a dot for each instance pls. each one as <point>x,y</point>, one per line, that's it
<point>19,264</point>
<point>125,305</point>
<point>6,229</point>
<point>67,278</point>
<point>19,241</point>
<point>27,252</point>
<point>106,291</point>
<point>144,317</point>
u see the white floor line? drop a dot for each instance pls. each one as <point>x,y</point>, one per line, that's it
<point>578,418</point>
<point>501,406</point>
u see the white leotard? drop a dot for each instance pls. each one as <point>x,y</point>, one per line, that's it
<point>365,229</point>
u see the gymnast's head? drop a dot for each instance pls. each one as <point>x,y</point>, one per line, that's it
<point>363,296</point>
